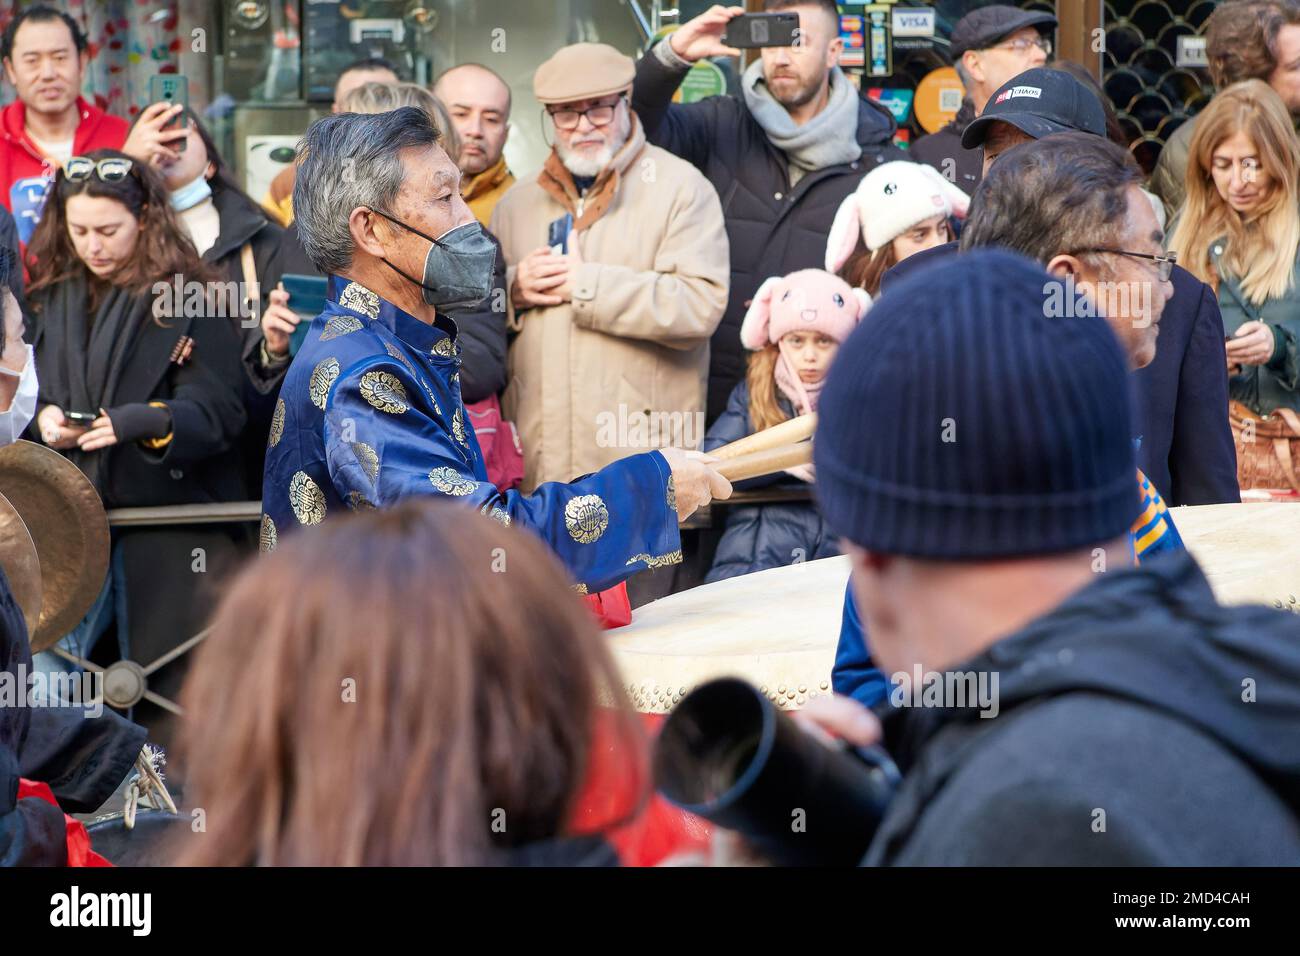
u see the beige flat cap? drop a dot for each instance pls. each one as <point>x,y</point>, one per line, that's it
<point>583,71</point>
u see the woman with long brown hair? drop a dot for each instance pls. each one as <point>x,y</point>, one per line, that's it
<point>139,386</point>
<point>414,686</point>
<point>1239,231</point>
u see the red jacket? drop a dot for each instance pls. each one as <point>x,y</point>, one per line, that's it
<point>25,173</point>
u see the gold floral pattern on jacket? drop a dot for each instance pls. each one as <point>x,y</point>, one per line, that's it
<point>368,458</point>
<point>340,325</point>
<point>586,517</point>
<point>445,348</point>
<point>458,427</point>
<point>306,498</point>
<point>360,299</point>
<point>672,494</point>
<point>323,377</point>
<point>266,538</point>
<point>497,514</point>
<point>657,561</point>
<point>384,391</point>
<point>277,424</point>
<point>451,482</point>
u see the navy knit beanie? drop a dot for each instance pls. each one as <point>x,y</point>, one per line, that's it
<point>963,419</point>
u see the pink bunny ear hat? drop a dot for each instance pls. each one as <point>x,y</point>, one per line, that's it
<point>890,200</point>
<point>809,299</point>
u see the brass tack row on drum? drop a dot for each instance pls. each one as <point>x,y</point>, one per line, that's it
<point>779,629</point>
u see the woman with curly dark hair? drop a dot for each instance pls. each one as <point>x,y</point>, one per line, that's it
<point>138,360</point>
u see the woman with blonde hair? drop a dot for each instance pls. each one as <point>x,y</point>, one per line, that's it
<point>1239,231</point>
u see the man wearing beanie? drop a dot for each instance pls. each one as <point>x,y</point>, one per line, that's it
<point>617,269</point>
<point>985,516</point>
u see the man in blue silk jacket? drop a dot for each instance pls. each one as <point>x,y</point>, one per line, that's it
<point>371,412</point>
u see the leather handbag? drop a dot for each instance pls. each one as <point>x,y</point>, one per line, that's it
<point>1266,447</point>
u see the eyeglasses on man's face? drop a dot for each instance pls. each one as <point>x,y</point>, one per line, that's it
<point>1022,45</point>
<point>602,114</point>
<point>1164,263</point>
<point>80,168</point>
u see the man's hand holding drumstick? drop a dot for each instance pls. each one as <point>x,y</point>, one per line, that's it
<point>699,478</point>
<point>696,480</point>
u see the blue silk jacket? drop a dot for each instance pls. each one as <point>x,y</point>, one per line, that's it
<point>370,413</point>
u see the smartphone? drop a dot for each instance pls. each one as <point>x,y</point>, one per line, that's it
<point>752,30</point>
<point>557,234</point>
<point>307,298</point>
<point>174,90</point>
<point>80,419</point>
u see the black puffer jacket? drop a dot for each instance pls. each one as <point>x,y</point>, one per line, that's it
<point>759,537</point>
<point>1138,724</point>
<point>773,229</point>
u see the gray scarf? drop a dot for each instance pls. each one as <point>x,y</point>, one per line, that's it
<point>828,139</point>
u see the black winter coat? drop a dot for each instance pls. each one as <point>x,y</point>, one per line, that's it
<point>1133,728</point>
<point>759,537</point>
<point>83,759</point>
<point>773,229</point>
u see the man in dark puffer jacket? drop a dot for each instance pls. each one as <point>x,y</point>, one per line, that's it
<point>782,157</point>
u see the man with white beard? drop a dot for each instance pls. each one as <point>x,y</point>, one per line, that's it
<point>618,274</point>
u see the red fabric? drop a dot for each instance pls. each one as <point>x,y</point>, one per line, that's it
<point>19,157</point>
<point>611,606</point>
<point>617,777</point>
<point>79,851</point>
<point>498,440</point>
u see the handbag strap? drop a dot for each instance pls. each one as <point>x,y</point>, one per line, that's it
<point>252,289</point>
<point>1282,451</point>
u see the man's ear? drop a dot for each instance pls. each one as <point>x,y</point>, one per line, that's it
<point>1065,265</point>
<point>9,72</point>
<point>833,50</point>
<point>361,224</point>
<point>971,61</point>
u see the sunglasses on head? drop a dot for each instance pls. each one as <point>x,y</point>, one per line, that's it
<point>112,170</point>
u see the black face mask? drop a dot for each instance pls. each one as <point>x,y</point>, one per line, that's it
<point>458,268</point>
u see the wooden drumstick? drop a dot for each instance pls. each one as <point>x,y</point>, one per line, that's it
<point>766,461</point>
<point>795,430</point>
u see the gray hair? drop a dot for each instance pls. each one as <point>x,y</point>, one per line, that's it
<point>966,80</point>
<point>348,160</point>
<point>1062,193</point>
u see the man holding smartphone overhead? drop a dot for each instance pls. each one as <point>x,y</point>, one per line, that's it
<point>44,55</point>
<point>782,155</point>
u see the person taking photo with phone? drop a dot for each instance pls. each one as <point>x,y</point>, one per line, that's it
<point>782,155</point>
<point>140,391</point>
<point>237,237</point>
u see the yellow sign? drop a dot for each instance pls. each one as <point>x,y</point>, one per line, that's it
<point>938,98</point>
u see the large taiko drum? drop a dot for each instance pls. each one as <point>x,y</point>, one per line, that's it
<point>778,629</point>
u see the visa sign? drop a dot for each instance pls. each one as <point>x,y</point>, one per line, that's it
<point>913,21</point>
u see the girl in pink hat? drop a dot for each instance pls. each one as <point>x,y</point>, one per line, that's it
<point>793,328</point>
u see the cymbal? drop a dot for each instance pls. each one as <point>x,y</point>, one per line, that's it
<point>68,525</point>
<point>21,564</point>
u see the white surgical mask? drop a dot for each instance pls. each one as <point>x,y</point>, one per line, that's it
<point>14,421</point>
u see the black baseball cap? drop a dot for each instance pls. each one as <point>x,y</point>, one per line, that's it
<point>988,26</point>
<point>1039,102</point>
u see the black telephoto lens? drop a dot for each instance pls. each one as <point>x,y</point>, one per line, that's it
<point>727,754</point>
